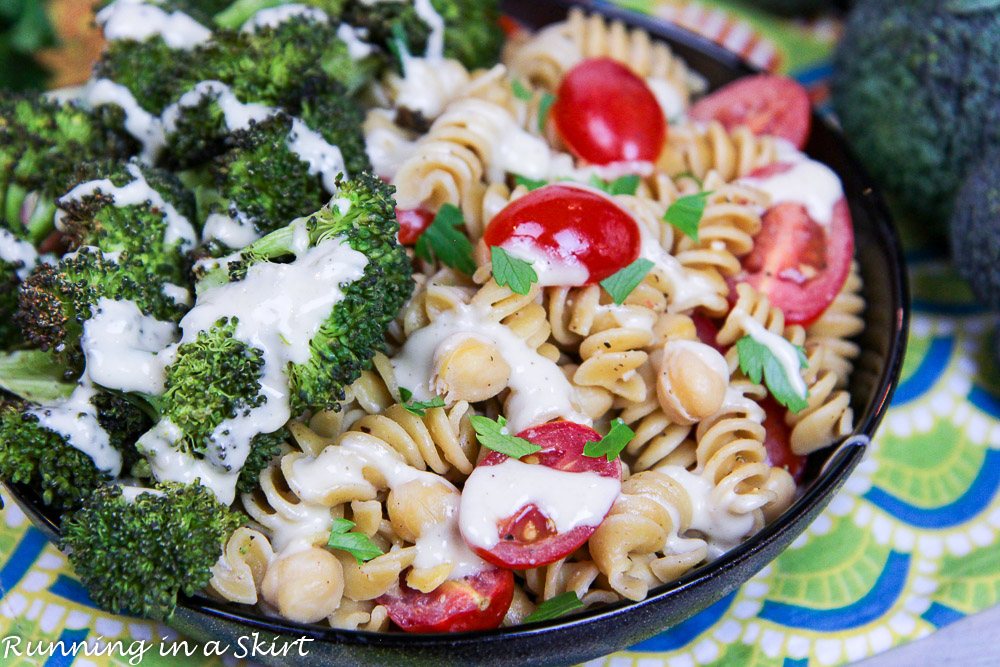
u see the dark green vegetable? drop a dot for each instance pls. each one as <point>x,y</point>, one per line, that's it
<point>975,231</point>
<point>916,86</point>
<point>137,556</point>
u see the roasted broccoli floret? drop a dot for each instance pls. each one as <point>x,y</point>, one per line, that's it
<point>136,553</point>
<point>10,332</point>
<point>132,208</point>
<point>35,455</point>
<point>355,330</point>
<point>41,142</point>
<point>56,300</point>
<point>278,170</point>
<point>975,230</point>
<point>915,87</point>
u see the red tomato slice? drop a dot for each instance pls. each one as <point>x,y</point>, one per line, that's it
<point>766,103</point>
<point>412,223</point>
<point>797,263</point>
<point>570,224</point>
<point>777,440</point>
<point>606,114</point>
<point>528,538</point>
<point>708,332</point>
<point>476,602</point>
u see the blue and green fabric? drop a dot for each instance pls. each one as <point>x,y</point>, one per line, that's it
<point>909,546</point>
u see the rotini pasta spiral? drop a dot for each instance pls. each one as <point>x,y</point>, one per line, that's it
<point>699,150</point>
<point>827,418</point>
<point>239,572</point>
<point>836,326</point>
<point>578,576</point>
<point>755,306</point>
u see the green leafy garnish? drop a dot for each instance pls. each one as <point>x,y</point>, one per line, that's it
<point>544,106</point>
<point>405,394</point>
<point>555,607</point>
<point>509,270</point>
<point>398,45</point>
<point>34,376</point>
<point>443,239</point>
<point>685,213</point>
<point>612,444</point>
<point>620,284</point>
<point>356,544</point>
<point>757,360</point>
<point>623,185</point>
<point>529,183</point>
<point>494,435</point>
<point>521,91</point>
<point>419,408</point>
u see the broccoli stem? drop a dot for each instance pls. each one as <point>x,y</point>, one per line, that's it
<point>16,194</point>
<point>39,225</point>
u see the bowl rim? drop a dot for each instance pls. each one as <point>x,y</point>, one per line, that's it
<point>839,464</point>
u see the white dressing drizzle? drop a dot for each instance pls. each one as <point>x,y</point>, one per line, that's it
<point>427,84</point>
<point>275,16</point>
<point>235,231</point>
<point>279,308</point>
<point>783,351</point>
<point>130,493</point>
<point>237,114</point>
<point>720,529</point>
<point>345,465</point>
<point>160,445</point>
<point>139,20</point>
<point>323,158</point>
<point>435,41</point>
<point>565,270</point>
<point>14,250</point>
<point>144,126</point>
<point>808,182</point>
<point>386,146</point>
<point>539,390</point>
<point>353,37</point>
<point>568,499</point>
<point>138,192</point>
<point>125,349</point>
<point>75,418</point>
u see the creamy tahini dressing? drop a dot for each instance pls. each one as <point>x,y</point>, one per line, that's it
<point>273,17</point>
<point>540,391</point>
<point>14,250</point>
<point>279,308</point>
<point>427,84</point>
<point>125,350</point>
<point>345,464</point>
<point>237,114</point>
<point>353,37</point>
<point>169,464</point>
<point>144,126</point>
<point>569,499</point>
<point>808,182</point>
<point>565,270</point>
<point>720,529</point>
<point>786,353</point>
<point>75,418</point>
<point>139,20</point>
<point>323,158</point>
<point>138,192</point>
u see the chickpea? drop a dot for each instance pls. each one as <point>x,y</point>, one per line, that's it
<point>692,381</point>
<point>415,507</point>
<point>470,369</point>
<point>306,586</point>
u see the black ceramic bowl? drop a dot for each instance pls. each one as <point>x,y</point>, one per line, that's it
<point>615,627</point>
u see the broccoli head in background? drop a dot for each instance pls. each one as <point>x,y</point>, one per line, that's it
<point>975,230</point>
<point>132,208</point>
<point>34,455</point>
<point>56,300</point>
<point>916,86</point>
<point>136,550</point>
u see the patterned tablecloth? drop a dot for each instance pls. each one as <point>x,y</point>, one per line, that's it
<point>907,547</point>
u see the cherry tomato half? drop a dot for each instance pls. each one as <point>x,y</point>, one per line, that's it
<point>476,602</point>
<point>766,103</point>
<point>606,114</point>
<point>412,223</point>
<point>528,538</point>
<point>777,440</point>
<point>797,263</point>
<point>570,223</point>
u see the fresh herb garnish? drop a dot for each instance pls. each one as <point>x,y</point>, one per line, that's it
<point>689,174</point>
<point>685,213</point>
<point>494,435</point>
<point>544,106</point>
<point>757,360</point>
<point>511,271</point>
<point>419,408</point>
<point>521,91</point>
<point>443,239</point>
<point>620,284</point>
<point>623,185</point>
<point>398,45</point>
<point>555,607</point>
<point>612,444</point>
<point>356,544</point>
<point>529,183</point>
